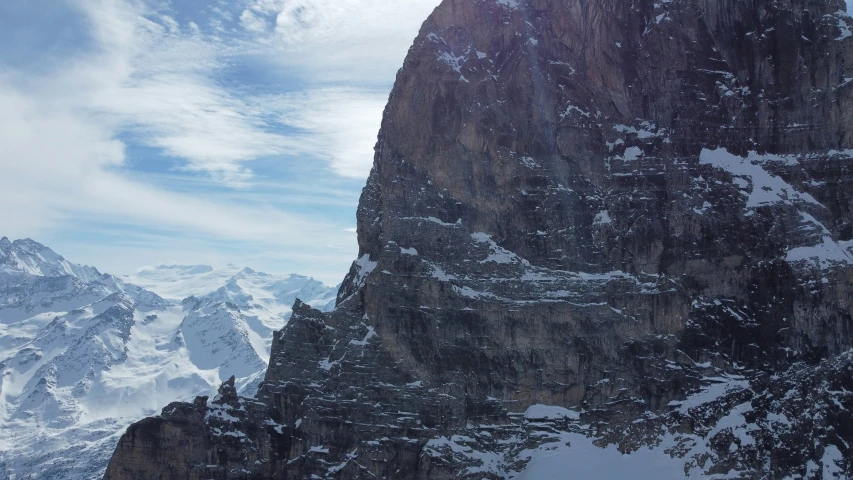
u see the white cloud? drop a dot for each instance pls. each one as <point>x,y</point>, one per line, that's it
<point>147,80</point>
<point>159,84</point>
<point>341,125</point>
<point>251,22</point>
<point>46,155</point>
<point>63,164</point>
<point>345,40</point>
<point>73,175</point>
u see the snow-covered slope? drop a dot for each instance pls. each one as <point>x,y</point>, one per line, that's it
<point>33,258</point>
<point>177,282</point>
<point>83,354</point>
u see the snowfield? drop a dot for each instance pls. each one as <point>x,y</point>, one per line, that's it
<point>85,354</point>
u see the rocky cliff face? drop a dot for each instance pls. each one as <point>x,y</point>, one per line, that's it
<point>636,210</point>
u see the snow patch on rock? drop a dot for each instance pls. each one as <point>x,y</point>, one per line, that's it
<point>764,188</point>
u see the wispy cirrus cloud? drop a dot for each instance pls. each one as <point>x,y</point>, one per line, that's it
<point>76,175</point>
<point>134,92</point>
<point>156,81</point>
<point>338,124</point>
<point>339,40</point>
<point>161,82</point>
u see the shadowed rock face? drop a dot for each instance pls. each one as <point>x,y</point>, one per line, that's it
<point>588,137</point>
<point>585,204</point>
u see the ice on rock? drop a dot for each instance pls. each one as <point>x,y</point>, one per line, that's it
<point>549,412</point>
<point>764,189</point>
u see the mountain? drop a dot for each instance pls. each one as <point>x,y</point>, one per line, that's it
<point>36,282</point>
<point>608,238</point>
<point>241,286</point>
<point>33,258</point>
<point>83,354</point>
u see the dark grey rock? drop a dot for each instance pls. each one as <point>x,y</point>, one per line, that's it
<point>596,205</point>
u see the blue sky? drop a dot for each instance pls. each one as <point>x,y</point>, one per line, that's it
<point>139,132</point>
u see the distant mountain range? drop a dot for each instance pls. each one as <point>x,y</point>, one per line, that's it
<point>83,353</point>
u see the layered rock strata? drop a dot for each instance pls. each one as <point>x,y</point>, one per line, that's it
<point>597,205</point>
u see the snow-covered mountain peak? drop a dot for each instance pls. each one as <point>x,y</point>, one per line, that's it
<point>177,282</point>
<point>36,283</point>
<point>244,287</point>
<point>249,271</point>
<point>115,299</point>
<point>184,269</point>
<point>31,257</point>
<point>83,353</point>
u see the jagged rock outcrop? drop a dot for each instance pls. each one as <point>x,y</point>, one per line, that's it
<point>602,205</point>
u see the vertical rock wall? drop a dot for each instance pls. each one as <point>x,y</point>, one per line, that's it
<point>591,204</point>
